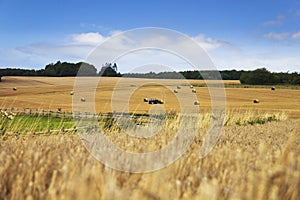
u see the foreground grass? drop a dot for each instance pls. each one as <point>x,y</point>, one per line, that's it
<point>260,161</point>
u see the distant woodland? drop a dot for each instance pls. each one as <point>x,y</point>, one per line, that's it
<point>62,69</point>
<point>256,77</point>
<point>259,76</point>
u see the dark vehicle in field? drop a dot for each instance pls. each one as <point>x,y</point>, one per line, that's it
<point>155,101</point>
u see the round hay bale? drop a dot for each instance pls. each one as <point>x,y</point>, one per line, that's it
<point>193,91</point>
<point>191,86</point>
<point>14,89</point>
<point>72,93</point>
<point>161,101</point>
<point>196,103</point>
<point>178,87</point>
<point>273,88</point>
<point>175,91</point>
<point>256,101</point>
<point>82,99</point>
<point>10,117</point>
<point>146,100</point>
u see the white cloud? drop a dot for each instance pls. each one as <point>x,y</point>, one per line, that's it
<point>92,38</point>
<point>157,46</point>
<point>277,36</point>
<point>296,35</point>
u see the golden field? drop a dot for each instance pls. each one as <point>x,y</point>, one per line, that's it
<point>52,93</point>
<point>258,161</point>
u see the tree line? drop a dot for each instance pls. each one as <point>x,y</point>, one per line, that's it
<point>210,75</point>
<point>260,76</point>
<point>263,77</point>
<point>63,69</point>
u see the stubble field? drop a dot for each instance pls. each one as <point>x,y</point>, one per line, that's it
<point>54,93</point>
<point>251,160</point>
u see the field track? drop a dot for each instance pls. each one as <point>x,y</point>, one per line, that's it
<point>52,93</point>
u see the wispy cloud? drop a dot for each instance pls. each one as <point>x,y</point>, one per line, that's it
<point>296,35</point>
<point>77,47</point>
<point>277,36</point>
<point>283,35</point>
<point>115,32</point>
<point>208,43</point>
<point>275,22</point>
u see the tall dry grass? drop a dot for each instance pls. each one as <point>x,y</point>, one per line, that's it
<point>259,161</point>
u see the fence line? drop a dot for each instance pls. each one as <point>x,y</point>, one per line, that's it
<point>51,113</point>
<point>65,114</point>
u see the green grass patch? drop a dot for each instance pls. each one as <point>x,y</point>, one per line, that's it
<point>31,124</point>
<point>257,120</point>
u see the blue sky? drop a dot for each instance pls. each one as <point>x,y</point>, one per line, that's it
<point>236,34</point>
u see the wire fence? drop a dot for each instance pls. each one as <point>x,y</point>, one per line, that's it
<point>68,114</point>
<point>51,113</point>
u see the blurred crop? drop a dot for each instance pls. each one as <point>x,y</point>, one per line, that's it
<point>252,160</point>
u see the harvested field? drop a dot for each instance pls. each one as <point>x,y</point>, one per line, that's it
<point>52,93</point>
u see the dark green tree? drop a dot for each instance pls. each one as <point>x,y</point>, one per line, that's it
<point>110,70</point>
<point>85,69</point>
<point>258,77</point>
<point>70,69</point>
